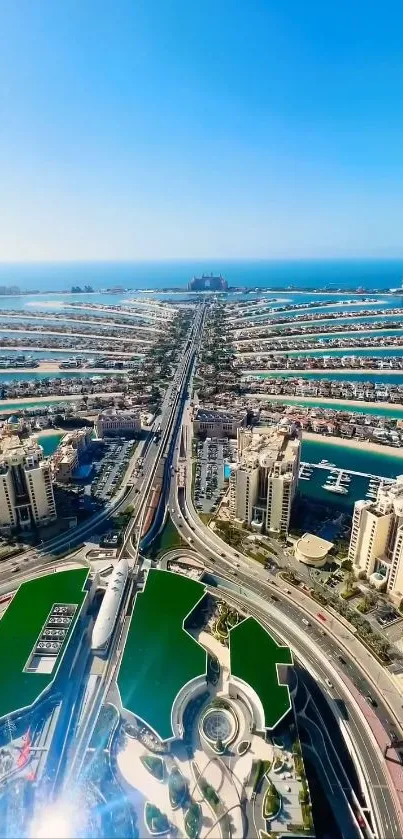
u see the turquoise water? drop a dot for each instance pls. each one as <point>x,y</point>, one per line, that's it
<point>367,334</point>
<point>51,354</point>
<point>50,442</point>
<point>359,319</point>
<point>396,412</point>
<point>61,374</point>
<point>359,460</point>
<point>378,376</point>
<point>33,403</point>
<point>338,353</point>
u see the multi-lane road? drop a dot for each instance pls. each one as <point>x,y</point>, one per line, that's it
<point>328,651</point>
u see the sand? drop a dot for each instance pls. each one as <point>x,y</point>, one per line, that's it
<point>377,448</point>
<point>325,402</point>
<point>69,350</point>
<point>322,350</point>
<point>301,336</point>
<point>36,401</point>
<point>325,371</point>
<point>53,367</point>
<point>64,334</point>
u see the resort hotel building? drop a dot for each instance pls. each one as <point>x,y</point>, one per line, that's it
<point>113,423</point>
<point>264,480</point>
<point>26,492</point>
<point>376,543</point>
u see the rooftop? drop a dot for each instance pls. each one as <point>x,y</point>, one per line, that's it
<point>313,546</point>
<point>160,656</point>
<point>260,668</point>
<point>20,628</point>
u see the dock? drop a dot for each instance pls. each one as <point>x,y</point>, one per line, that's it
<point>329,468</point>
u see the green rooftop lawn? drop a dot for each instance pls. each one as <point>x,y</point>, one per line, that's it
<point>160,656</point>
<point>254,656</point>
<point>20,628</point>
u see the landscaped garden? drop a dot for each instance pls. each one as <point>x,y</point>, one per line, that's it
<point>154,765</point>
<point>271,802</point>
<point>193,821</point>
<point>178,789</point>
<point>156,822</point>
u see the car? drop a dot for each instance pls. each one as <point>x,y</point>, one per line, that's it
<point>273,597</point>
<point>221,554</point>
<point>341,659</point>
<point>305,622</point>
<point>329,683</point>
<point>371,700</point>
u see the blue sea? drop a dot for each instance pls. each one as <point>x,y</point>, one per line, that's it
<point>327,275</point>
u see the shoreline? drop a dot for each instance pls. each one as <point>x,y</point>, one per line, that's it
<point>303,336</point>
<point>37,401</point>
<point>329,403</point>
<point>71,350</point>
<point>53,367</point>
<point>323,350</point>
<point>341,442</point>
<point>327,371</point>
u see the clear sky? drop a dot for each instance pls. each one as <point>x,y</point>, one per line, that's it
<point>145,129</point>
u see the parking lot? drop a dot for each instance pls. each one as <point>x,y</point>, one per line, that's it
<point>211,457</point>
<point>110,470</point>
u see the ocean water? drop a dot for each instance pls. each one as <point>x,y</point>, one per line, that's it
<point>33,375</point>
<point>343,320</point>
<point>395,411</point>
<point>377,377</point>
<point>359,460</point>
<point>50,355</point>
<point>361,351</point>
<point>321,274</point>
<point>8,407</point>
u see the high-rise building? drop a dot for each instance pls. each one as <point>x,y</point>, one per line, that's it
<point>26,492</point>
<point>264,480</point>
<point>376,542</point>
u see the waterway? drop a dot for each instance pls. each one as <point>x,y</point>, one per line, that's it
<point>380,377</point>
<point>395,411</point>
<point>34,375</point>
<point>340,351</point>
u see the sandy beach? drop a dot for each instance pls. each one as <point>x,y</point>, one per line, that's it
<point>69,350</point>
<point>307,336</point>
<point>325,371</point>
<point>74,335</point>
<point>53,367</point>
<point>323,350</point>
<point>36,401</point>
<point>52,319</point>
<point>353,444</point>
<point>335,404</point>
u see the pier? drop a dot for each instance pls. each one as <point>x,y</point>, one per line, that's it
<point>332,468</point>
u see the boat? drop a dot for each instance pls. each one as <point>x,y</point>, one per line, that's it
<point>338,489</point>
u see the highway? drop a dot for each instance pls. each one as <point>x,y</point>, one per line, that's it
<point>170,420</point>
<point>248,584</point>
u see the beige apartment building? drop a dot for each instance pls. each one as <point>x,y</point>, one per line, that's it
<point>115,423</point>
<point>264,480</point>
<point>26,492</point>
<point>376,542</point>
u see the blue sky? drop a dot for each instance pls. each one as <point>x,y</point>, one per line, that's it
<point>149,129</point>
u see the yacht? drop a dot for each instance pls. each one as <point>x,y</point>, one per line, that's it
<point>338,489</point>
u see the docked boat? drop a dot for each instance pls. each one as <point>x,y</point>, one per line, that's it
<point>337,489</point>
